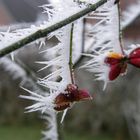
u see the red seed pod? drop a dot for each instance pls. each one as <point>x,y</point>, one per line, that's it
<point>135,53</point>
<point>116,70</point>
<point>113,58</point>
<point>135,62</point>
<point>72,94</point>
<point>112,61</point>
<point>134,57</point>
<point>117,64</point>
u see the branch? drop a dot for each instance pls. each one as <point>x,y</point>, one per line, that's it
<point>43,33</point>
<point>70,57</point>
<point>120,30</point>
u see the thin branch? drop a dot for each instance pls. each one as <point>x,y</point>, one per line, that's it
<point>120,29</point>
<point>70,56</point>
<point>45,32</point>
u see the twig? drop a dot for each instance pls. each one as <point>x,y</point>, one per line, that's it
<point>70,58</point>
<point>120,29</point>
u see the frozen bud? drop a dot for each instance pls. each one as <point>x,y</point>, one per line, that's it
<point>134,57</point>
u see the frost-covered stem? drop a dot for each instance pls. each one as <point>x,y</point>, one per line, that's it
<point>70,58</point>
<point>120,29</point>
<point>43,33</point>
<point>51,132</point>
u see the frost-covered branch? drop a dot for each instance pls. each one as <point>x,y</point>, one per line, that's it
<point>19,70</point>
<point>51,132</point>
<point>44,32</point>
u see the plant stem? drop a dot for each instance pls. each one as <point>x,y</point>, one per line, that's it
<point>120,29</point>
<point>70,56</point>
<point>45,32</point>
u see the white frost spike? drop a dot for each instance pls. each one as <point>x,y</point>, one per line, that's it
<point>106,36</point>
<point>61,61</point>
<point>10,37</point>
<point>64,114</point>
<point>51,130</point>
<point>42,102</point>
<point>107,32</point>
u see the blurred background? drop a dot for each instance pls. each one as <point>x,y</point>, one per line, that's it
<point>113,114</point>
